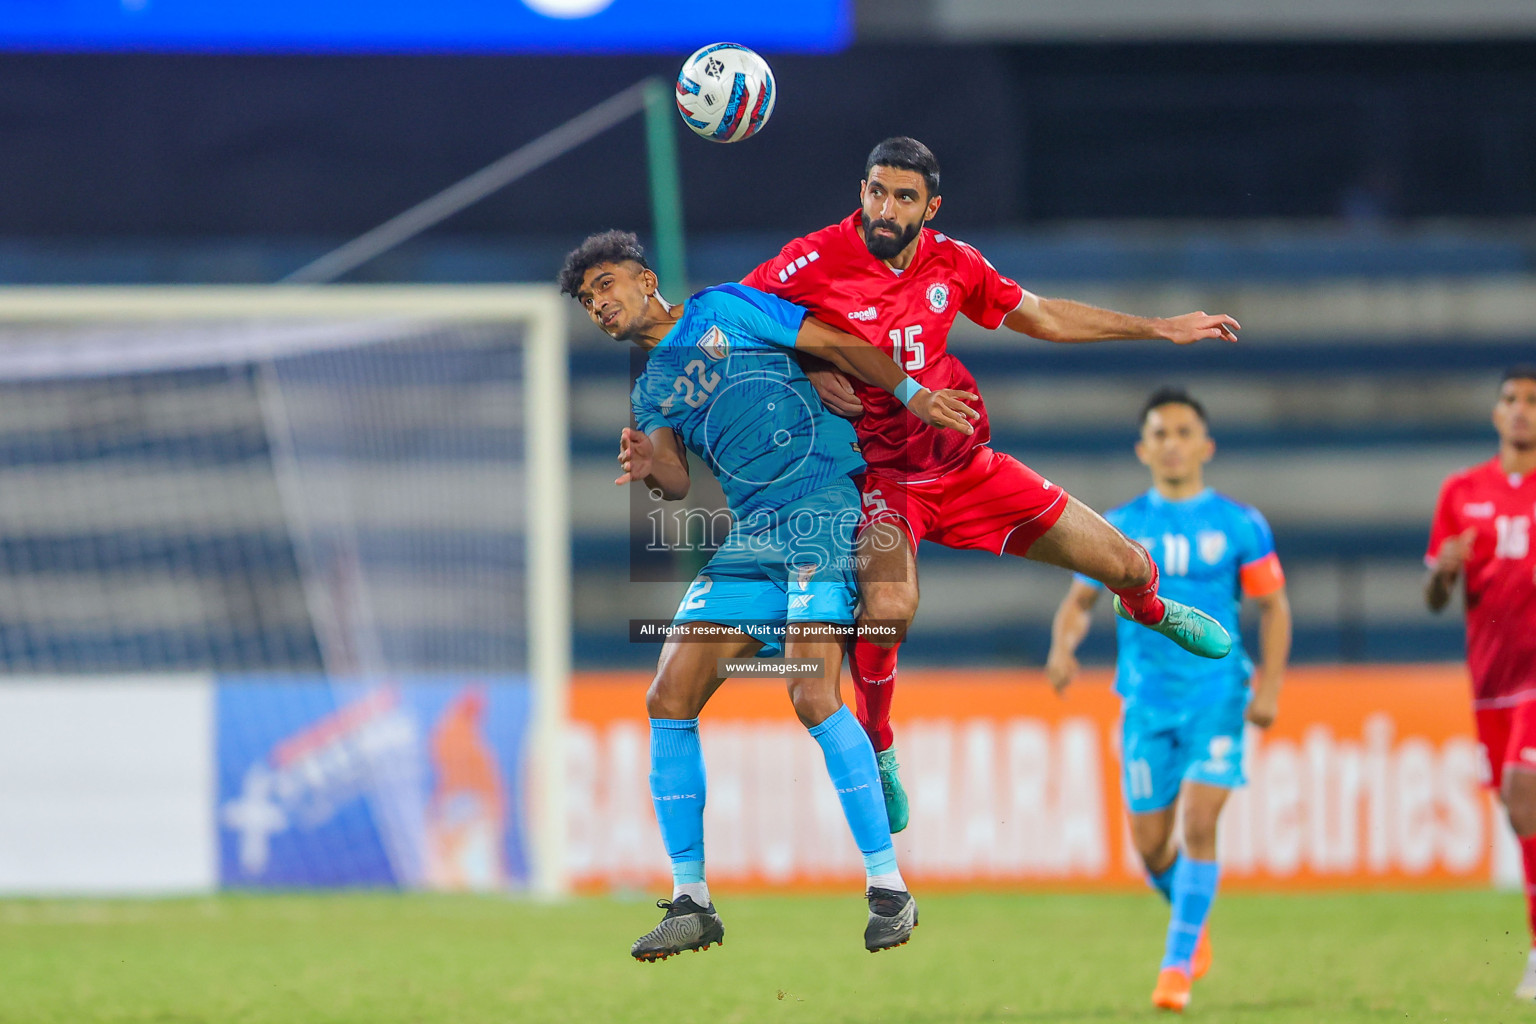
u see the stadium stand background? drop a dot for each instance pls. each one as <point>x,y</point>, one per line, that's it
<point>1363,208</point>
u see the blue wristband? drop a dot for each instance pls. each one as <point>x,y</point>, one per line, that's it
<point>907,390</point>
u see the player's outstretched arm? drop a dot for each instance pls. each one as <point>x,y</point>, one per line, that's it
<point>658,458</point>
<point>853,355</point>
<point>1274,654</point>
<point>1068,629</point>
<point>1066,321</point>
<point>1448,563</point>
<point>832,387</point>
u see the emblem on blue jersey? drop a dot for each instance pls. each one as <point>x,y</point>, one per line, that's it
<point>715,344</point>
<point>938,297</point>
<point>1221,752</point>
<point>1212,545</point>
<point>804,574</point>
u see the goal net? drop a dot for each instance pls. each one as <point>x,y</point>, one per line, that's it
<point>344,510</point>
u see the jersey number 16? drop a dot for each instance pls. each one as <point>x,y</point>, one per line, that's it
<point>1514,537</point>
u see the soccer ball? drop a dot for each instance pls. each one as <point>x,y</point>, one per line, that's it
<point>725,92</point>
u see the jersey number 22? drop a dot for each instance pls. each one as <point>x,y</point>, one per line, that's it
<point>695,396</point>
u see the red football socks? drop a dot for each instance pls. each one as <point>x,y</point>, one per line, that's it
<point>874,683</point>
<point>1142,602</point>
<point>1528,855</point>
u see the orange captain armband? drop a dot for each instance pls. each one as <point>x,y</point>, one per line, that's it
<point>1263,577</point>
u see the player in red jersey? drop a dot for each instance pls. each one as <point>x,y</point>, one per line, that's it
<point>883,274</point>
<point>1482,533</point>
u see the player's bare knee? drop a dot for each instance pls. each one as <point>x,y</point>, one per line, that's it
<point>1200,836</point>
<point>1520,803</point>
<point>892,604</point>
<point>1522,818</point>
<point>1158,859</point>
<point>814,700</point>
<point>1132,567</point>
<point>1155,847</point>
<point>666,699</point>
<point>658,702</point>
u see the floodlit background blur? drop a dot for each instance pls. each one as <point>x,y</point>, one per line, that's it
<point>285,558</point>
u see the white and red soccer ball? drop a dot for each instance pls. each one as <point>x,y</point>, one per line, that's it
<point>725,92</point>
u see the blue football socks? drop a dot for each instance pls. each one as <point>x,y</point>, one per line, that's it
<point>1163,880</point>
<point>677,789</point>
<point>851,763</point>
<point>1194,889</point>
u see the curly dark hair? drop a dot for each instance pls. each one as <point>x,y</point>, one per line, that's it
<point>603,247</point>
<point>1172,396</point>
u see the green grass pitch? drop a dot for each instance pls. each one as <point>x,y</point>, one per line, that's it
<point>380,958</point>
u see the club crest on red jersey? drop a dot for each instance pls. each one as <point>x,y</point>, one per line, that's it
<point>938,297</point>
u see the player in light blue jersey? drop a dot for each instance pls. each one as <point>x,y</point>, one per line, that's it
<point>1183,721</point>
<point>721,380</point>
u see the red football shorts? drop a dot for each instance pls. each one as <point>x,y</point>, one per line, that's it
<point>978,506</point>
<point>1507,737</point>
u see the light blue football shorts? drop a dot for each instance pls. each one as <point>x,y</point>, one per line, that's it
<point>801,569</point>
<point>1161,748</point>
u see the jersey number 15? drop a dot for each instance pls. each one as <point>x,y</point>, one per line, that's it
<point>905,339</point>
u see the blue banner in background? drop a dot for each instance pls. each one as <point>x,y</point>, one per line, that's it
<point>443,26</point>
<point>418,785</point>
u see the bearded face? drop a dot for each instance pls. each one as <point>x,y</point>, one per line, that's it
<point>894,205</point>
<point>886,238</point>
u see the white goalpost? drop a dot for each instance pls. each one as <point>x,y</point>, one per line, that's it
<point>273,487</point>
<point>365,485</point>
